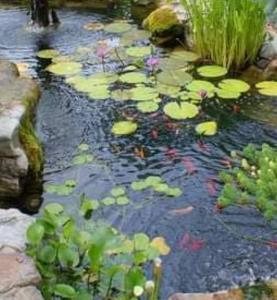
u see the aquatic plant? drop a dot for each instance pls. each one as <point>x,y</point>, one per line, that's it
<point>92,260</point>
<point>229,33</point>
<point>252,181</point>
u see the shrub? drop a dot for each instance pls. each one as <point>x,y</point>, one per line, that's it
<point>92,260</point>
<point>253,181</point>
<point>230,33</point>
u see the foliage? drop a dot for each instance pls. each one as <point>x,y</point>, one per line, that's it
<point>230,33</point>
<point>253,181</point>
<point>92,260</point>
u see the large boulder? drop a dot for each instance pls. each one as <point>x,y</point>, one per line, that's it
<point>19,153</point>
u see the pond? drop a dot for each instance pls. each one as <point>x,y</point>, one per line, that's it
<point>209,250</point>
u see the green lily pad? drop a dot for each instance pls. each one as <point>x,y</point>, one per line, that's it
<point>117,27</point>
<point>199,85</point>
<point>147,106</point>
<point>212,71</point>
<point>130,68</point>
<point>168,90</point>
<point>108,201</point>
<point>124,128</point>
<point>174,192</point>
<point>83,147</point>
<point>118,191</point>
<point>144,93</point>
<point>181,111</point>
<point>161,188</point>
<point>234,85</point>
<point>139,185</point>
<point>153,180</point>
<point>228,94</point>
<point>207,128</point>
<point>123,200</point>
<point>65,68</point>
<point>62,58</point>
<point>48,53</point>
<point>100,92</point>
<point>121,94</point>
<point>172,63</point>
<point>267,88</point>
<point>174,77</point>
<point>128,38</point>
<point>139,51</point>
<point>82,159</point>
<point>188,56</point>
<point>133,77</point>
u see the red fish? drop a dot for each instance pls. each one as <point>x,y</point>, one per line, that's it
<point>182,211</point>
<point>272,244</point>
<point>226,162</point>
<point>189,165</point>
<point>218,208</point>
<point>189,243</point>
<point>211,187</point>
<point>202,146</point>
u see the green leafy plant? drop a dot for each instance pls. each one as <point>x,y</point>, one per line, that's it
<point>253,181</point>
<point>230,33</point>
<point>92,260</point>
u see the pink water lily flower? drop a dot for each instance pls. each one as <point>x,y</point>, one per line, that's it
<point>203,94</point>
<point>101,52</point>
<point>153,62</point>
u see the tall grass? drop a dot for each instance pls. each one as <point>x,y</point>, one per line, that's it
<point>229,32</point>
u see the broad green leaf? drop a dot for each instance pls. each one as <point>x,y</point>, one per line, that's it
<point>122,94</point>
<point>48,53</point>
<point>139,51</point>
<point>144,93</point>
<point>234,85</point>
<point>267,88</point>
<point>64,291</point>
<point>67,256</point>
<point>174,77</point>
<point>118,191</point>
<point>153,180</point>
<point>100,92</point>
<point>147,106</point>
<point>139,185</point>
<point>54,208</point>
<point>168,90</point>
<point>35,233</point>
<point>207,128</point>
<point>212,71</point>
<point>124,128</point>
<point>134,278</point>
<point>200,85</point>
<point>122,200</point>
<point>174,192</point>
<point>47,254</point>
<point>161,188</point>
<point>141,241</point>
<point>133,77</point>
<point>108,201</point>
<point>65,68</point>
<point>172,63</point>
<point>228,94</point>
<point>181,111</point>
<point>180,53</point>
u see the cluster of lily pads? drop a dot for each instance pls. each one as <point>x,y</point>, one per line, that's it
<point>146,79</point>
<point>63,189</point>
<point>82,157</point>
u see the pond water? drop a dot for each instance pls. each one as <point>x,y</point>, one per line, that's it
<point>220,257</point>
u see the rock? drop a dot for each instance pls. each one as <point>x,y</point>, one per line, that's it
<point>17,98</point>
<point>18,275</point>
<point>254,74</point>
<point>164,23</point>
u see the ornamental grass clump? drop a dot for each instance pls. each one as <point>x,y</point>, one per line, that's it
<point>230,33</point>
<point>253,181</point>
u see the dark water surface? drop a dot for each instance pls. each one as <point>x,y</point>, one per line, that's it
<point>66,118</point>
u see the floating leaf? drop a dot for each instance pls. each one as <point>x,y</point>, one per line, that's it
<point>234,85</point>
<point>118,191</point>
<point>134,35</point>
<point>122,94</point>
<point>168,90</point>
<point>172,63</point>
<point>124,127</point>
<point>82,159</point>
<point>174,77</point>
<point>267,88</point>
<point>212,71</point>
<point>199,85</point>
<point>161,187</point>
<point>160,244</point>
<point>130,68</point>
<point>83,147</point>
<point>174,192</point>
<point>180,53</point>
<point>65,68</point>
<point>147,106</point>
<point>144,93</point>
<point>108,201</point>
<point>181,111</point>
<point>139,185</point>
<point>133,77</point>
<point>123,200</point>
<point>100,92</point>
<point>94,26</point>
<point>48,53</point>
<point>117,27</point>
<point>228,94</point>
<point>141,242</point>
<point>207,128</point>
<point>139,51</point>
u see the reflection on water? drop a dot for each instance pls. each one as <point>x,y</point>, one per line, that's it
<point>66,118</point>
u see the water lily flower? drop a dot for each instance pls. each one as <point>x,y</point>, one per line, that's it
<point>153,62</point>
<point>149,285</point>
<point>203,94</point>
<point>138,291</point>
<point>101,52</point>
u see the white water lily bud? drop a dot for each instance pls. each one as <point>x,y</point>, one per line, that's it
<point>244,164</point>
<point>253,174</point>
<point>253,168</point>
<point>157,262</point>
<point>149,285</point>
<point>138,291</point>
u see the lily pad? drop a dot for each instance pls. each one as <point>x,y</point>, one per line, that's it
<point>199,85</point>
<point>168,90</point>
<point>153,180</point>
<point>234,85</point>
<point>100,92</point>
<point>174,77</point>
<point>118,191</point>
<point>133,77</point>
<point>180,53</point>
<point>228,94</point>
<point>147,106</point>
<point>139,185</point>
<point>65,68</point>
<point>82,159</point>
<point>181,111</point>
<point>267,88</point>
<point>212,71</point>
<point>123,200</point>
<point>207,128</point>
<point>48,53</point>
<point>144,93</point>
<point>134,35</point>
<point>174,192</point>
<point>124,127</point>
<point>172,63</point>
<point>121,94</point>
<point>117,27</point>
<point>108,201</point>
<point>139,51</point>
<point>83,147</point>
<point>160,244</point>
